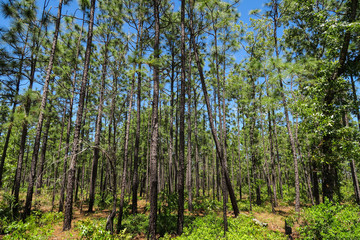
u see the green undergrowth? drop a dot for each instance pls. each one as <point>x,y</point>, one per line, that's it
<point>330,221</point>
<point>37,226</point>
<point>95,229</point>
<point>242,227</point>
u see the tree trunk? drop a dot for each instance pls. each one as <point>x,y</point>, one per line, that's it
<point>135,180</point>
<point>180,174</point>
<point>189,162</point>
<point>213,130</point>
<point>154,126</point>
<point>197,161</point>
<point>40,173</point>
<point>75,147</point>
<point>17,89</point>
<point>98,129</point>
<point>68,129</point>
<point>58,158</point>
<point>239,151</point>
<point>35,154</point>
<point>126,156</point>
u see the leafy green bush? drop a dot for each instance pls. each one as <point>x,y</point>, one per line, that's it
<point>206,205</point>
<point>6,215</point>
<point>242,227</point>
<point>95,229</point>
<point>136,224</point>
<point>331,221</point>
<point>36,226</point>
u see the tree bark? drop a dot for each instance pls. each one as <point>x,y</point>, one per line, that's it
<point>35,154</point>
<point>126,156</point>
<point>180,175</point>
<point>154,126</point>
<point>68,129</point>
<point>40,173</point>
<point>75,147</point>
<point>98,129</point>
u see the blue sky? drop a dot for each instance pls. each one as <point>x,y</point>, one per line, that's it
<point>244,7</point>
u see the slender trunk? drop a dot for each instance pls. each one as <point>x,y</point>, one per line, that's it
<point>135,180</point>
<point>180,175</point>
<point>75,147</point>
<point>239,151</point>
<point>171,143</point>
<point>69,124</point>
<point>35,154</point>
<point>213,130</point>
<point>98,129</point>
<point>277,156</point>
<point>248,169</point>
<point>197,162</point>
<point>126,156</point>
<point>40,173</point>
<point>58,158</point>
<point>286,112</point>
<point>189,162</point>
<point>154,127</point>
<point>17,89</point>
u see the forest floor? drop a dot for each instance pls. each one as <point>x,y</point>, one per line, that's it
<point>275,221</point>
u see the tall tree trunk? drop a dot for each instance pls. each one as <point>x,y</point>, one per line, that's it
<point>197,161</point>
<point>135,180</point>
<point>69,124</point>
<point>213,130</point>
<point>126,156</point>
<point>155,126</point>
<point>248,169</point>
<point>239,151</point>
<point>286,112</point>
<point>75,147</point>
<point>272,157</point>
<point>35,154</point>
<point>33,59</point>
<point>16,93</point>
<point>277,155</point>
<point>180,174</point>
<point>40,173</point>
<point>189,162</point>
<point>98,129</point>
<point>58,157</point>
<point>171,141</point>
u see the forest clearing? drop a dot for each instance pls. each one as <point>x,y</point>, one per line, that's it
<point>159,119</point>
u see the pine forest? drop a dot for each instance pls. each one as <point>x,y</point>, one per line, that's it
<point>160,119</point>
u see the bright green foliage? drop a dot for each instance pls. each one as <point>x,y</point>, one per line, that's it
<point>136,224</point>
<point>242,227</point>
<point>331,221</point>
<point>94,229</point>
<point>36,226</point>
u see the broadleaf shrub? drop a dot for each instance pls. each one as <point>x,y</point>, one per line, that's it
<point>242,227</point>
<point>331,221</point>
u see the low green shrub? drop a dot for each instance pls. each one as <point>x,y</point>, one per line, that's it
<point>331,221</point>
<point>36,226</point>
<point>242,227</point>
<point>95,230</point>
<point>136,224</point>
